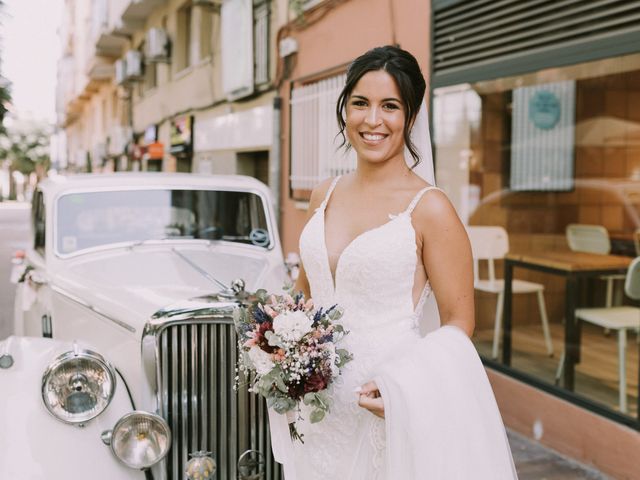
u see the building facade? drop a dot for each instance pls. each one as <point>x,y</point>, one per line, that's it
<point>169,85</point>
<point>534,120</point>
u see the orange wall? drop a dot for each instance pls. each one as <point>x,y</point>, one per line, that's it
<point>346,31</point>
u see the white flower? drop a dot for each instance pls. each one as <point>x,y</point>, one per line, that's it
<point>261,360</point>
<point>291,326</point>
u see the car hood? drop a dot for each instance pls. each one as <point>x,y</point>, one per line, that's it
<point>138,282</point>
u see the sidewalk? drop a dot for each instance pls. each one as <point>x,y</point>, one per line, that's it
<point>536,462</point>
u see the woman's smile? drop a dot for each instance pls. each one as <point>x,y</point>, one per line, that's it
<point>373,138</point>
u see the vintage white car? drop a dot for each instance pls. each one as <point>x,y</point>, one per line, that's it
<point>123,361</point>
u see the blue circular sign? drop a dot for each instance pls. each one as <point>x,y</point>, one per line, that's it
<point>544,109</point>
<point>259,237</point>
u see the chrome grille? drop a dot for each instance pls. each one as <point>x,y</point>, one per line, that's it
<point>196,374</point>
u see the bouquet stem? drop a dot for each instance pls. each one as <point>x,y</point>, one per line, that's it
<point>293,431</point>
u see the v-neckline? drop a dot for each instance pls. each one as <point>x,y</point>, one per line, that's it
<point>334,275</point>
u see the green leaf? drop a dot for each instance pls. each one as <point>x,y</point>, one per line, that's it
<point>316,416</point>
<point>262,295</point>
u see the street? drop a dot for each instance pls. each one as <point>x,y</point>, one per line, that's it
<point>14,231</point>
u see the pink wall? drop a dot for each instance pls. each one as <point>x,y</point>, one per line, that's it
<point>346,31</point>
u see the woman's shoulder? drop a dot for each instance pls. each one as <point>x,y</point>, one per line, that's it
<point>319,193</point>
<point>434,206</point>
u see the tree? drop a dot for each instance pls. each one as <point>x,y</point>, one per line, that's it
<point>26,149</point>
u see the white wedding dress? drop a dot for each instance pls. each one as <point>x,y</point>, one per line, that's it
<point>441,420</point>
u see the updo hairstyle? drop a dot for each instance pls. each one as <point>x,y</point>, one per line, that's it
<point>404,69</point>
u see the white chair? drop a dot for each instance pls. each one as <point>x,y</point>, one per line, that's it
<point>593,239</point>
<point>620,318</point>
<point>490,244</point>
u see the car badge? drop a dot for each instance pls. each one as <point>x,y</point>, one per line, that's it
<point>202,466</point>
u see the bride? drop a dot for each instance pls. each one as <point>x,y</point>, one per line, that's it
<point>378,242</point>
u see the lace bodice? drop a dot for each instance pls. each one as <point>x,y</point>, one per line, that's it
<point>374,285</point>
<point>374,274</point>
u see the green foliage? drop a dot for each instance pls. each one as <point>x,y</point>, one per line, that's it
<point>319,403</point>
<point>26,149</point>
<point>5,99</point>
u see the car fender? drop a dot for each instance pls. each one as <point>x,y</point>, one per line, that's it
<point>35,445</point>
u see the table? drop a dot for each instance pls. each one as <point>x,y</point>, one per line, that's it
<point>574,266</point>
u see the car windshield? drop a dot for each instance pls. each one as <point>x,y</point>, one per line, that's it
<point>91,219</point>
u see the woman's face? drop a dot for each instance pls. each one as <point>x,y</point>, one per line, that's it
<point>375,117</point>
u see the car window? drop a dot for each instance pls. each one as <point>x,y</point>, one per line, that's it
<point>91,219</point>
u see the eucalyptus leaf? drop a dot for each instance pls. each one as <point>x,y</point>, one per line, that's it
<point>316,416</point>
<point>322,400</point>
<point>262,295</point>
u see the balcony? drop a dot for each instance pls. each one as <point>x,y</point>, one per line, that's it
<point>100,68</point>
<point>109,40</point>
<point>136,12</point>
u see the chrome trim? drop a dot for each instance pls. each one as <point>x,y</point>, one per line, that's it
<point>266,204</point>
<point>75,354</point>
<point>79,301</point>
<point>106,437</point>
<point>147,416</point>
<point>193,347</point>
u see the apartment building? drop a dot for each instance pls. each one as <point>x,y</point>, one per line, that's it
<point>169,85</point>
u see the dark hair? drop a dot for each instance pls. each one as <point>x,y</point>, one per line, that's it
<point>404,69</point>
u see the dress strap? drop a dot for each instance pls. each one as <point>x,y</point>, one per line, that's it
<point>417,198</point>
<point>323,205</point>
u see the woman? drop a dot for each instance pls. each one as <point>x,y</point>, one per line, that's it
<point>377,242</point>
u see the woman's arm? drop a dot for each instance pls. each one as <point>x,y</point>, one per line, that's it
<point>447,258</point>
<point>317,196</point>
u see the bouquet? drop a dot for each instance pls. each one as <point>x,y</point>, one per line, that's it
<point>288,352</point>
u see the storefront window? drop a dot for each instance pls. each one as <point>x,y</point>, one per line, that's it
<point>552,160</point>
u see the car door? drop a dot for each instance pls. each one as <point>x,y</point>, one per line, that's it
<point>32,311</point>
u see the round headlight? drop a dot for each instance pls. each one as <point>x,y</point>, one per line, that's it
<point>140,439</point>
<point>78,386</point>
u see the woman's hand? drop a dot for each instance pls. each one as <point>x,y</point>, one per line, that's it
<point>370,398</point>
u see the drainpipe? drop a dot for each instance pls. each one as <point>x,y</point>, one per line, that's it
<point>275,158</point>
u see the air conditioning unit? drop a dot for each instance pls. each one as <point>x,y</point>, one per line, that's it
<point>157,45</point>
<point>121,71</point>
<point>133,65</point>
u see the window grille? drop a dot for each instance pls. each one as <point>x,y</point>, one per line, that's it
<point>314,145</point>
<point>261,41</point>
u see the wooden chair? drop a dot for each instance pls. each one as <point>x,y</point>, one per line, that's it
<point>593,239</point>
<point>636,241</point>
<point>490,244</point>
<point>620,318</point>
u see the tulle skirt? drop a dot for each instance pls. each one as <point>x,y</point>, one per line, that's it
<point>441,422</point>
